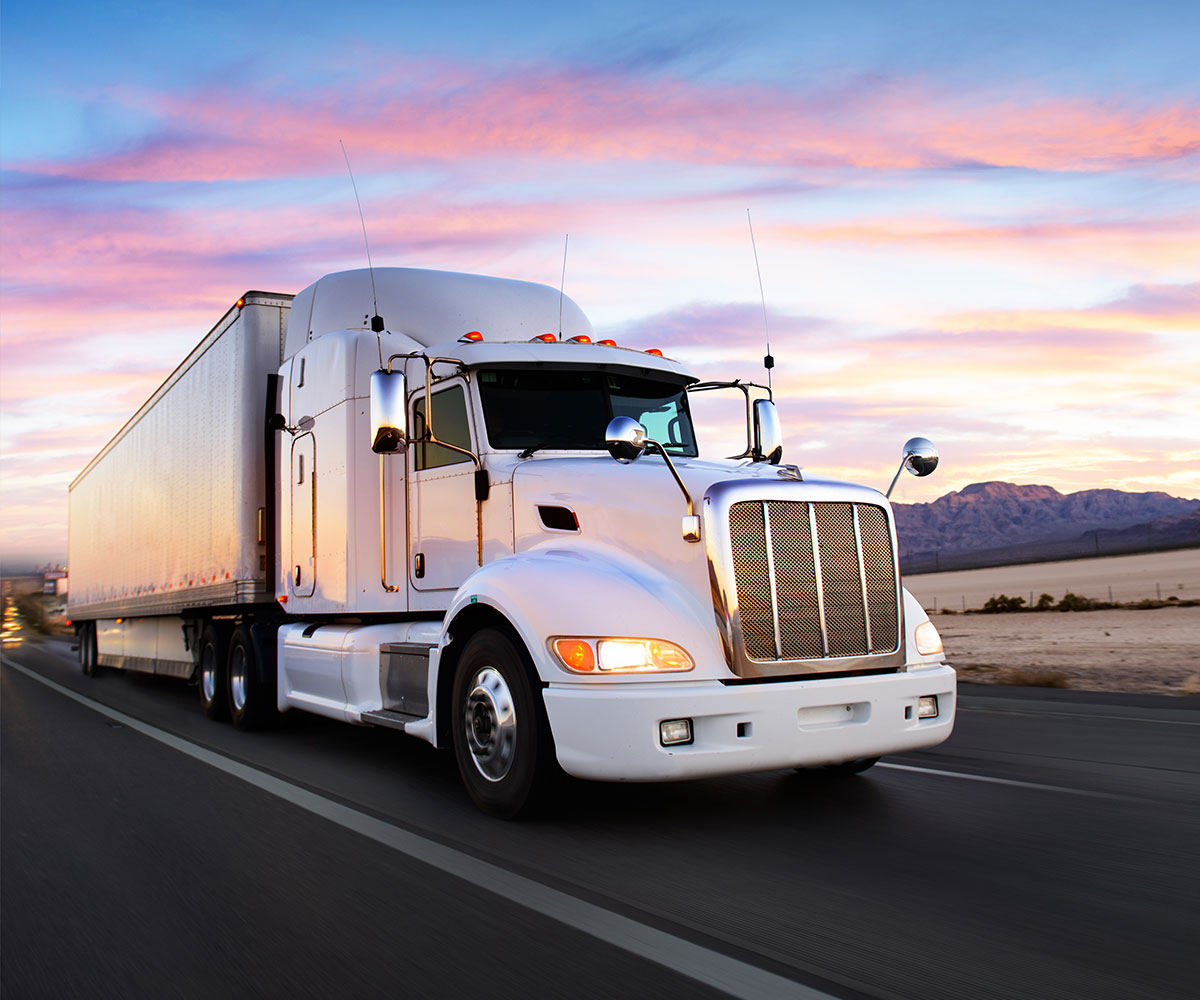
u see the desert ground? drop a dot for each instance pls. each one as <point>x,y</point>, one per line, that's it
<point>1143,576</point>
<point>1144,651</point>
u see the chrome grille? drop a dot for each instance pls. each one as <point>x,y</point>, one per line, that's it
<point>814,580</point>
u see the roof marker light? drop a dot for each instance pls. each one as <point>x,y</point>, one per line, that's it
<point>607,343</point>
<point>653,350</point>
<point>474,337</point>
<point>545,338</point>
<point>240,303</point>
<point>583,338</point>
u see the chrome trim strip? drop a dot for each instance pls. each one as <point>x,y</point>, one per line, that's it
<point>862,575</point>
<point>771,578</point>
<point>816,551</point>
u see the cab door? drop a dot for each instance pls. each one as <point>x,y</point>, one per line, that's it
<point>304,516</point>
<point>443,512</point>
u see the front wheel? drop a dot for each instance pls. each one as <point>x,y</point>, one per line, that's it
<point>501,738</point>
<point>251,699</point>
<point>845,769</point>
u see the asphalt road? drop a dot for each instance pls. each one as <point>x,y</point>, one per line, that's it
<point>1049,849</point>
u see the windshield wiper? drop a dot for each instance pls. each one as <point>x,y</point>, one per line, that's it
<point>528,452</point>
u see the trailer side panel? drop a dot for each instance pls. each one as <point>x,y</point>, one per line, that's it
<point>166,517</point>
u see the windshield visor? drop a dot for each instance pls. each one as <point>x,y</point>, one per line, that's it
<point>570,409</point>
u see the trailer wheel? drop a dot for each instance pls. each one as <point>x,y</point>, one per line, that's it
<point>211,673</point>
<point>89,660</point>
<point>501,736</point>
<point>251,699</point>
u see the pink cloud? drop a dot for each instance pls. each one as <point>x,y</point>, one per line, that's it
<point>559,115</point>
<point>1165,241</point>
<point>1143,310</point>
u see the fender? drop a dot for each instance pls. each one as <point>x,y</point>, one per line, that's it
<point>590,590</point>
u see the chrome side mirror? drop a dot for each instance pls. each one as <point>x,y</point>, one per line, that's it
<point>389,425</point>
<point>768,433</point>
<point>919,456</point>
<point>626,439</point>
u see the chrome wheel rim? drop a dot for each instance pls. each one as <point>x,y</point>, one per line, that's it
<point>490,723</point>
<point>237,678</point>
<point>208,673</point>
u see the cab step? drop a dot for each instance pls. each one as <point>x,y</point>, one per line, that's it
<point>390,719</point>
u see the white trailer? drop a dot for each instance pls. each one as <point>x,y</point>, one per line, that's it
<point>419,524</point>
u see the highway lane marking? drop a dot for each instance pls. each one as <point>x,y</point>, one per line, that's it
<point>1010,781</point>
<point>711,968</point>
<point>1080,715</point>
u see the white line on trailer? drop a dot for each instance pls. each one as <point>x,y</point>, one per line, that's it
<point>711,968</point>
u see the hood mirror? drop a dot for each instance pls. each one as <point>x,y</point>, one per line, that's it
<point>768,433</point>
<point>919,456</point>
<point>626,439</point>
<point>389,426</point>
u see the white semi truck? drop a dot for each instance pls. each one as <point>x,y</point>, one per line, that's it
<point>419,524</point>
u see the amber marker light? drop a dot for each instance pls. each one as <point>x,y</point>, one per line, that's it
<point>474,337</point>
<point>576,654</point>
<point>583,338</point>
<point>545,338</point>
<point>653,350</point>
<point>607,343</point>
<point>240,303</point>
<point>621,655</point>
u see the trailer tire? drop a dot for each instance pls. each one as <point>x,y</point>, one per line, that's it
<point>501,736</point>
<point>89,658</point>
<point>251,698</point>
<point>211,670</point>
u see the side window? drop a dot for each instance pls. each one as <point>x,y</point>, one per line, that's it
<point>450,425</point>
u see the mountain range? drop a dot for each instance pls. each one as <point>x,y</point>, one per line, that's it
<point>995,523</point>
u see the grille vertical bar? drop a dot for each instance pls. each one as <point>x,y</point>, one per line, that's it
<point>862,573</point>
<point>814,580</point>
<point>772,582</point>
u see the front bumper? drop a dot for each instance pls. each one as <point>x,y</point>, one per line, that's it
<point>609,732</point>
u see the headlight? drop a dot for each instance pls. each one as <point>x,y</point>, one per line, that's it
<point>928,640</point>
<point>619,655</point>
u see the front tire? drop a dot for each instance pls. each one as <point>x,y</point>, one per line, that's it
<point>251,699</point>
<point>501,737</point>
<point>850,767</point>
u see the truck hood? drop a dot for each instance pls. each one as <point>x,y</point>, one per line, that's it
<point>635,511</point>
<point>646,490</point>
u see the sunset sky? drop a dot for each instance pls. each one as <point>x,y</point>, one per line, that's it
<point>976,222</point>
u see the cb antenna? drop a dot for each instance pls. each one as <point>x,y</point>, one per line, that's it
<point>768,361</point>
<point>562,284</point>
<point>376,320</point>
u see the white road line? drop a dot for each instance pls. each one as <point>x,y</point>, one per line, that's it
<point>1080,715</point>
<point>1061,789</point>
<point>708,967</point>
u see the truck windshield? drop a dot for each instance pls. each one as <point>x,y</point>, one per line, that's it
<point>570,409</point>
